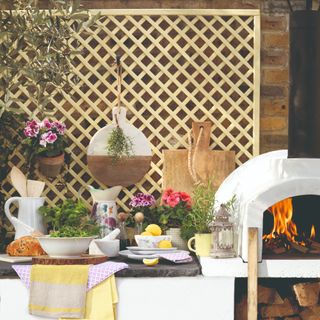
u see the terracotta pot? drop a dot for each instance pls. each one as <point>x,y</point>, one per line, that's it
<point>51,166</point>
<point>177,241</point>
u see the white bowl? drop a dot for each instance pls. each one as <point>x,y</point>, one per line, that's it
<point>110,248</point>
<point>150,241</point>
<point>65,247</point>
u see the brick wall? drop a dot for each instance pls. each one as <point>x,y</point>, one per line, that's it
<point>274,55</point>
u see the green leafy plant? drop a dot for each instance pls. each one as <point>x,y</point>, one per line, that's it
<point>119,145</point>
<point>176,206</point>
<point>11,126</point>
<point>47,39</point>
<point>69,219</point>
<point>201,214</point>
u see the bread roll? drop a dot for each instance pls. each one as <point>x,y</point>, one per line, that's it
<point>25,246</point>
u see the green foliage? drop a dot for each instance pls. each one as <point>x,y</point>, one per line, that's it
<point>173,217</point>
<point>11,127</point>
<point>69,218</point>
<point>201,214</point>
<point>119,145</point>
<point>48,40</point>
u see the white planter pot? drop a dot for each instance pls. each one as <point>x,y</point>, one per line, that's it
<point>177,241</point>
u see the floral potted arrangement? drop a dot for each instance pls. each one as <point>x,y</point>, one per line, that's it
<point>176,206</point>
<point>71,229</point>
<point>46,142</point>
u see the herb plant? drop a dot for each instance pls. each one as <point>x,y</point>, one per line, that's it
<point>119,145</point>
<point>69,219</point>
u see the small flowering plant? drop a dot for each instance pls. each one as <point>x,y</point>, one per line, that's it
<point>46,139</point>
<point>175,208</point>
<point>145,203</point>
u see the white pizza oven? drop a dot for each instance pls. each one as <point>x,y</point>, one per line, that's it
<point>262,182</point>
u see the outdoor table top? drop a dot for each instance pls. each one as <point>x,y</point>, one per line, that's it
<point>136,269</point>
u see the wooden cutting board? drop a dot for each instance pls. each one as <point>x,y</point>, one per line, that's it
<point>210,165</point>
<point>84,259</point>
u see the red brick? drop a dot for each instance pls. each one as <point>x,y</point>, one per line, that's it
<point>274,58</point>
<point>275,76</point>
<point>274,23</point>
<point>275,40</point>
<point>273,91</point>
<point>274,107</point>
<point>275,124</point>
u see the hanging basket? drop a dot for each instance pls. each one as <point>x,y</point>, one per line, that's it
<point>126,171</point>
<point>51,166</point>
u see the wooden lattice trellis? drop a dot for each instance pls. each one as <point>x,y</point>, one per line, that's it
<point>179,66</point>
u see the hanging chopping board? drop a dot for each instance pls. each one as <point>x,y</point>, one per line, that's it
<point>209,165</point>
<point>128,170</point>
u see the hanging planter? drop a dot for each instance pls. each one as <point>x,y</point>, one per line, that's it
<point>119,153</point>
<point>45,142</point>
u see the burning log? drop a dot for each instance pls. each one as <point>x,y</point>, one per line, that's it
<point>307,294</point>
<point>299,248</point>
<point>314,245</point>
<point>310,313</point>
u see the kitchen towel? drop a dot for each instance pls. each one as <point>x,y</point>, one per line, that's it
<point>58,291</point>
<point>101,301</point>
<point>177,257</point>
<point>97,273</point>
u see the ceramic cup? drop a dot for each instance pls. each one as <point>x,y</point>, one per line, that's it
<point>202,244</point>
<point>110,248</point>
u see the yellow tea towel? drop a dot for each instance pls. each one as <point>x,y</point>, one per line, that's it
<point>58,291</point>
<point>101,301</point>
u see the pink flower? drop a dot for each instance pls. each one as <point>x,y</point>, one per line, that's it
<point>167,193</point>
<point>173,199</point>
<point>185,197</point>
<point>61,127</point>
<point>48,137</point>
<point>32,129</point>
<point>46,124</point>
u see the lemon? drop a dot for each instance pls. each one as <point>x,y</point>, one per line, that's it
<point>151,262</point>
<point>154,229</point>
<point>164,244</point>
<point>146,233</point>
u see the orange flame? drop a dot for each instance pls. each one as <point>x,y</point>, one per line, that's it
<point>283,224</point>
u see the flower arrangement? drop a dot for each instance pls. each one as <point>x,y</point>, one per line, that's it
<point>46,139</point>
<point>175,208</point>
<point>145,203</point>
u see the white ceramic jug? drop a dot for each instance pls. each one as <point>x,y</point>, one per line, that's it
<point>28,219</point>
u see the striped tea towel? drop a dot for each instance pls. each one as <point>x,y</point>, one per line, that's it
<point>58,291</point>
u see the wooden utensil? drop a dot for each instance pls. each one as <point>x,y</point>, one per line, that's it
<point>19,181</point>
<point>209,165</point>
<point>35,188</point>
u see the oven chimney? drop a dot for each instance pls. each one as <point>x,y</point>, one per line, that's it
<point>304,90</point>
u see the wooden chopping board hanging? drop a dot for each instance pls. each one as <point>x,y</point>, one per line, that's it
<point>209,165</point>
<point>128,170</point>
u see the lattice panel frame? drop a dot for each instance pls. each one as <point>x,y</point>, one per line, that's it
<point>179,66</point>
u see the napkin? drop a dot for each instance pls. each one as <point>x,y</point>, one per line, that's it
<point>176,257</point>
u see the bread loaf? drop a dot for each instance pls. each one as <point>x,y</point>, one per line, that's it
<point>25,246</point>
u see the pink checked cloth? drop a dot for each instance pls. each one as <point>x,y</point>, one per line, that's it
<point>97,273</point>
<point>176,257</point>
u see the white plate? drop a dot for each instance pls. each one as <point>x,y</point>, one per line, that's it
<point>14,259</point>
<point>136,249</point>
<point>130,255</point>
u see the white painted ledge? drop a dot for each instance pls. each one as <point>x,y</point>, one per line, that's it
<point>235,267</point>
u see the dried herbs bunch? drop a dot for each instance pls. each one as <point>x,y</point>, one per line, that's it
<point>119,145</point>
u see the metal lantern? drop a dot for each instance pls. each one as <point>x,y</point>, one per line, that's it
<point>222,235</point>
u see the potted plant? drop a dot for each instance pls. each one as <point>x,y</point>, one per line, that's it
<point>176,206</point>
<point>71,229</point>
<point>46,141</point>
<point>199,219</point>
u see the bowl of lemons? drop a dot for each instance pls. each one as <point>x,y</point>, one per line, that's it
<point>152,238</point>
